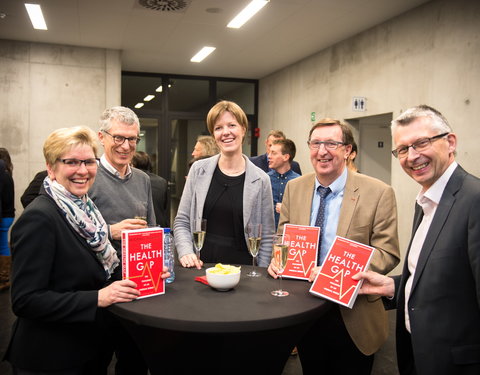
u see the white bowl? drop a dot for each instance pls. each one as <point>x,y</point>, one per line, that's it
<point>222,282</point>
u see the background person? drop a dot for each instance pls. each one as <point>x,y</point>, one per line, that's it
<point>357,207</point>
<point>280,160</point>
<point>62,262</point>
<point>228,191</point>
<point>205,147</point>
<point>351,158</point>
<point>33,189</point>
<point>261,161</point>
<point>437,296</point>
<point>141,160</point>
<point>7,214</point>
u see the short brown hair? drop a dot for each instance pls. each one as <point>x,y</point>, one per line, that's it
<point>226,106</point>
<point>347,135</point>
<point>276,134</point>
<point>141,160</point>
<point>288,147</point>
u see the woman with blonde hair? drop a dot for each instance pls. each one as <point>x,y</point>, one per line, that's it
<point>62,263</point>
<point>227,190</point>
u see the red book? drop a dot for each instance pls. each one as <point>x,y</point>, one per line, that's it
<point>344,259</point>
<point>142,260</point>
<point>302,241</point>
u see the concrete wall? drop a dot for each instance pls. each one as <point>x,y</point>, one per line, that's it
<point>428,55</point>
<point>44,87</point>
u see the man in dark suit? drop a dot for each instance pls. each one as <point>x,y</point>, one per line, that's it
<point>141,160</point>
<point>438,294</point>
<point>261,161</point>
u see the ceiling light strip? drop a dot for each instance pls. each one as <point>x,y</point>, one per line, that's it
<point>202,54</point>
<point>36,16</point>
<point>248,12</point>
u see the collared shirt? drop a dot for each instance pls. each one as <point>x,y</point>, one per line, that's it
<point>429,201</point>
<point>332,211</point>
<point>113,170</point>
<point>279,182</point>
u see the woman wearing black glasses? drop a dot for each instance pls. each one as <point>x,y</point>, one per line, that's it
<point>62,263</point>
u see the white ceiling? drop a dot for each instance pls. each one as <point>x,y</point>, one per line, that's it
<point>282,33</point>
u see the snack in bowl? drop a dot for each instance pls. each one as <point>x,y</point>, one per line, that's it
<point>223,277</point>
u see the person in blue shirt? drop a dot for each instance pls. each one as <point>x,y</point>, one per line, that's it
<point>261,161</point>
<point>280,157</point>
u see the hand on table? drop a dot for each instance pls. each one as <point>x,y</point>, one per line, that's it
<point>273,268</point>
<point>191,260</point>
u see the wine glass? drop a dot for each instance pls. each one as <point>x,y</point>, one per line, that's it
<point>140,211</point>
<point>254,234</point>
<point>280,256</point>
<point>198,233</point>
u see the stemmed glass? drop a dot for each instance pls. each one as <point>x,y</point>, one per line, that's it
<point>280,256</point>
<point>198,232</point>
<point>254,234</point>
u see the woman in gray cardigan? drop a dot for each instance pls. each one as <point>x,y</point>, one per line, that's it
<point>229,191</point>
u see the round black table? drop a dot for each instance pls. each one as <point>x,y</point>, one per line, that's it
<point>193,328</point>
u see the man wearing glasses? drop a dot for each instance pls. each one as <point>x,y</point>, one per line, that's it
<point>124,197</point>
<point>357,207</point>
<point>438,294</point>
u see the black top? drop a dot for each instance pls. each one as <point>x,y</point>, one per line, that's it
<point>55,281</point>
<point>7,198</point>
<point>160,198</point>
<point>225,238</point>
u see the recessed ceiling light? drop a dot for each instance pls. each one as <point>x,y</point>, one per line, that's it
<point>36,16</point>
<point>248,12</point>
<point>159,89</point>
<point>139,105</point>
<point>148,98</point>
<point>204,52</point>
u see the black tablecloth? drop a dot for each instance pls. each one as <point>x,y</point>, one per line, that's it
<point>194,327</point>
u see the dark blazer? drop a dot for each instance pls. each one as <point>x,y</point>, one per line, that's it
<point>159,196</point>
<point>444,304</point>
<point>261,161</point>
<point>55,283</point>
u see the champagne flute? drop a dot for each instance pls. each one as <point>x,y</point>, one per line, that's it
<point>140,211</point>
<point>254,234</point>
<point>280,255</point>
<point>198,233</point>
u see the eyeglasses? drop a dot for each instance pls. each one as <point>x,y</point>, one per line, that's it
<point>329,145</point>
<point>76,163</point>
<point>419,146</point>
<point>120,139</point>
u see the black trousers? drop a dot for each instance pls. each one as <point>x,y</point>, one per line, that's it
<point>328,349</point>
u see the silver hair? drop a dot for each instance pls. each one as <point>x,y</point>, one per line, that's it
<point>122,114</point>
<point>438,122</point>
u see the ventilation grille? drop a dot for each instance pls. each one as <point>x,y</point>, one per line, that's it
<point>165,5</point>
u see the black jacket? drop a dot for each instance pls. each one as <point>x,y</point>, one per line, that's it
<point>55,283</point>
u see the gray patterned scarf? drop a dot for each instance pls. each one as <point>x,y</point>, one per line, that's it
<point>86,220</point>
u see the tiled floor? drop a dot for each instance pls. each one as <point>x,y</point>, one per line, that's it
<point>385,362</point>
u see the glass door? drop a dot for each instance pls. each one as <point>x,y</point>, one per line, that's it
<point>184,133</point>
